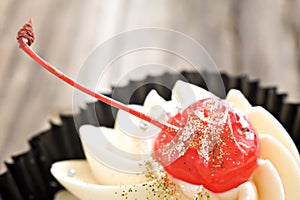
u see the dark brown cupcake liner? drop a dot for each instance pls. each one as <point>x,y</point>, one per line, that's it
<point>29,177</point>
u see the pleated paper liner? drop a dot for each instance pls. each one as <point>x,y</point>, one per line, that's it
<point>29,177</point>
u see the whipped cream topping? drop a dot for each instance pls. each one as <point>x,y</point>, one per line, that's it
<point>277,176</point>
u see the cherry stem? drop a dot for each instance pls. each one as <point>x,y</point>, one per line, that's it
<point>25,38</point>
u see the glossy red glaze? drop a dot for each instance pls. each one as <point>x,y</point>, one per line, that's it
<point>231,157</point>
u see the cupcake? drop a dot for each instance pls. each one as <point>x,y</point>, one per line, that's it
<point>265,178</point>
<point>187,143</point>
<point>29,176</point>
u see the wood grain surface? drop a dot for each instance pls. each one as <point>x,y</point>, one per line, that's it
<point>260,38</point>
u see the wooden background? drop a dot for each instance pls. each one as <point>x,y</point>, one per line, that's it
<point>260,38</point>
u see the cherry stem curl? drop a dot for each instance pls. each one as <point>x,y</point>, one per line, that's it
<point>25,38</point>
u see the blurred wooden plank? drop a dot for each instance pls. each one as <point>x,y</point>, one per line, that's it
<point>269,47</point>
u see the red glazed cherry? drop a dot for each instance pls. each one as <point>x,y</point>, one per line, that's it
<point>215,147</point>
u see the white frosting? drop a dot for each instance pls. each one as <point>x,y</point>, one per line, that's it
<point>186,94</point>
<point>64,195</point>
<point>267,181</point>
<point>266,123</point>
<point>83,185</point>
<point>239,101</point>
<point>277,177</point>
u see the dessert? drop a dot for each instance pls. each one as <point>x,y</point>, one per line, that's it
<point>253,185</point>
<point>269,179</point>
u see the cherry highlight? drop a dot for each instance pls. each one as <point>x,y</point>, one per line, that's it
<point>26,37</point>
